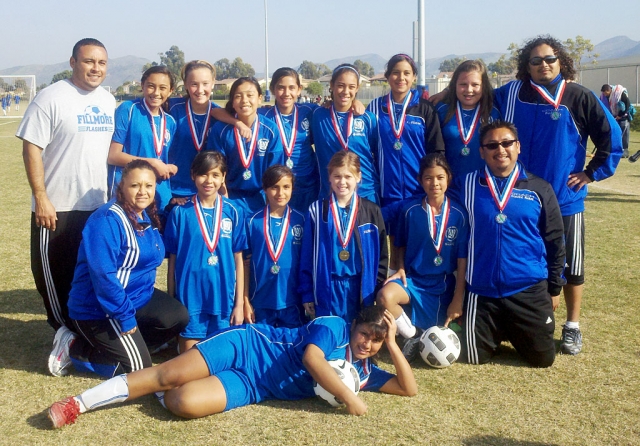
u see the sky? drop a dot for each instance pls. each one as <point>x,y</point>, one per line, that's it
<point>319,30</point>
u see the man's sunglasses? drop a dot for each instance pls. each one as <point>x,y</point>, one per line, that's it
<point>535,61</point>
<point>494,145</point>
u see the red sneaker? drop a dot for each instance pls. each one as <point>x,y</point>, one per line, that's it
<point>64,412</point>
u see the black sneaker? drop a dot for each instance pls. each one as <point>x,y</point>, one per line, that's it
<point>571,340</point>
<point>635,157</point>
<point>411,347</point>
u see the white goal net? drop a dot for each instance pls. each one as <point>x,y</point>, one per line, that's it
<point>16,92</point>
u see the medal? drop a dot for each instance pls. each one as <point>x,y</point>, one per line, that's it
<point>466,135</point>
<point>344,234</point>
<point>290,143</point>
<point>554,101</point>
<point>501,218</point>
<point>275,247</point>
<point>210,237</point>
<point>397,125</point>
<point>158,139</point>
<point>344,139</point>
<point>245,158</point>
<point>437,233</point>
<point>501,199</point>
<point>198,140</point>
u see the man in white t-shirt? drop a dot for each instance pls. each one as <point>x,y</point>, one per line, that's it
<point>66,132</point>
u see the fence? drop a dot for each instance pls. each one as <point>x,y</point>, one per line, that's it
<point>627,75</point>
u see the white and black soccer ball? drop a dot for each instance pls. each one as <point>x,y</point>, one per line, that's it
<point>439,347</point>
<point>349,376</point>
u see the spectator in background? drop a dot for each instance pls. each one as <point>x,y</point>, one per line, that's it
<point>616,99</point>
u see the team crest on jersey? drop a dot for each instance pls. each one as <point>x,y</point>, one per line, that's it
<point>296,231</point>
<point>305,124</point>
<point>226,226</point>
<point>167,136</point>
<point>262,146</point>
<point>358,126</point>
<point>452,233</point>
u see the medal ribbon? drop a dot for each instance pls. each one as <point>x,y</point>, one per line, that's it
<point>245,158</point>
<point>501,200</point>
<point>466,136</point>
<point>344,234</point>
<point>211,240</point>
<point>288,145</point>
<point>555,101</point>
<point>344,141</point>
<point>437,234</point>
<point>398,127</point>
<point>198,142</point>
<point>348,356</point>
<point>158,140</point>
<point>275,251</point>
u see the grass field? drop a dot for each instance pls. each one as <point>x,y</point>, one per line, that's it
<point>593,398</point>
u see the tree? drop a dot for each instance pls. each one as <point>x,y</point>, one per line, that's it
<point>173,59</point>
<point>309,70</point>
<point>238,68</point>
<point>40,87</point>
<point>364,68</point>
<point>66,74</point>
<point>222,69</point>
<point>21,84</point>
<point>451,64</point>
<point>579,49</point>
<point>314,88</point>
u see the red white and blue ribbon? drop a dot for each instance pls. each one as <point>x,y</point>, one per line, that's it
<point>467,135</point>
<point>501,199</point>
<point>210,239</point>
<point>344,139</point>
<point>198,141</point>
<point>365,365</point>
<point>158,139</point>
<point>291,142</point>
<point>344,234</point>
<point>275,249</point>
<point>553,100</point>
<point>398,127</point>
<point>245,158</point>
<point>437,234</point>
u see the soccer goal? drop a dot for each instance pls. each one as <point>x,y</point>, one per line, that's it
<point>16,92</point>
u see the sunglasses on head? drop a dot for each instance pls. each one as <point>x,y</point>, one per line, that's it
<point>494,145</point>
<point>538,60</point>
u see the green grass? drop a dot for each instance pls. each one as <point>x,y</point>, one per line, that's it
<point>589,399</point>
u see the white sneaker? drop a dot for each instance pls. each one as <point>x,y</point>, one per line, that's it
<point>59,358</point>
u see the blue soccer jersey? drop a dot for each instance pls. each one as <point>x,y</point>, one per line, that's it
<point>273,284</point>
<point>421,260</point>
<point>140,137</point>
<point>363,141</point>
<point>271,363</point>
<point>398,157</point>
<point>463,158</point>
<point>192,131</point>
<point>303,160</point>
<point>244,183</point>
<point>205,286</point>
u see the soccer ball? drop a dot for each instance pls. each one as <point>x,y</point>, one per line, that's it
<point>439,347</point>
<point>349,376</point>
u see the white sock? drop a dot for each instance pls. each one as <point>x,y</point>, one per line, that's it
<point>405,327</point>
<point>114,390</point>
<point>571,324</point>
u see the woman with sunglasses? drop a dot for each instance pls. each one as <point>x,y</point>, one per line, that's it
<point>516,254</point>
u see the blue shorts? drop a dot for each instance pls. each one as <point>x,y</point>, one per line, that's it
<point>345,299</point>
<point>302,197</point>
<point>226,358</point>
<point>426,308</point>
<point>290,317</point>
<point>248,205</point>
<point>391,211</point>
<point>204,325</point>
